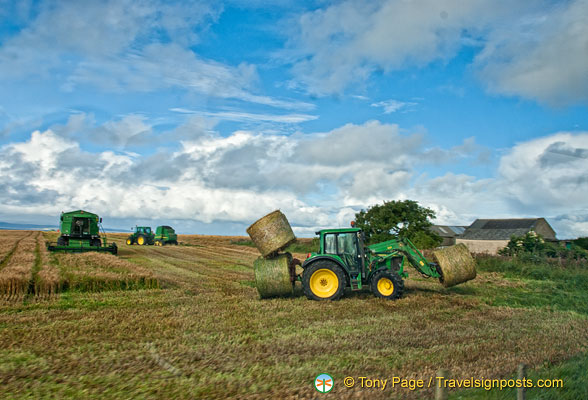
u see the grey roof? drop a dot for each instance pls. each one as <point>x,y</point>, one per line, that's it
<point>499,229</point>
<point>447,230</point>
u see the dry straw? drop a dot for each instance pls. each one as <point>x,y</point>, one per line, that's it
<point>99,271</point>
<point>271,233</point>
<point>16,275</point>
<point>47,283</point>
<point>272,276</point>
<point>456,263</point>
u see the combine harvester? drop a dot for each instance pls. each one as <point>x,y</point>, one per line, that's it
<point>80,232</point>
<point>343,261</point>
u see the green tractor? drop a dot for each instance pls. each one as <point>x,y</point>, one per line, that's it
<point>343,261</point>
<point>80,232</point>
<point>142,235</point>
<point>165,235</point>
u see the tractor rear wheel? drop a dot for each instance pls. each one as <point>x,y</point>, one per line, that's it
<point>141,240</point>
<point>129,241</point>
<point>387,285</point>
<point>323,280</point>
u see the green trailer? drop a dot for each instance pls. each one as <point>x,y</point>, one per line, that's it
<point>165,235</point>
<point>80,232</point>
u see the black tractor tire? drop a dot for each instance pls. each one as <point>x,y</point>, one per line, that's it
<point>323,280</point>
<point>387,285</point>
<point>61,241</point>
<point>175,242</point>
<point>141,240</point>
<point>130,241</point>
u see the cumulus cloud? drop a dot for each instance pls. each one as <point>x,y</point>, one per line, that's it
<point>318,180</point>
<point>544,57</point>
<point>548,173</point>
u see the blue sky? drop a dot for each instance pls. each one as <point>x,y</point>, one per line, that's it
<point>208,115</point>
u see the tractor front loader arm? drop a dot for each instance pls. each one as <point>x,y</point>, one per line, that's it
<point>404,247</point>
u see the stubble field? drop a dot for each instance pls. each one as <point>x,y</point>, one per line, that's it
<point>186,322</point>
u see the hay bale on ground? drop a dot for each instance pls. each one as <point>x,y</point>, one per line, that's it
<point>272,276</point>
<point>456,263</point>
<point>271,233</point>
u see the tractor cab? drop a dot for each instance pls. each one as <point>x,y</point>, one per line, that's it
<point>344,244</point>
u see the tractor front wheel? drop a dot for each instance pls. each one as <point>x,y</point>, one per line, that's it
<point>323,280</point>
<point>129,241</point>
<point>387,285</point>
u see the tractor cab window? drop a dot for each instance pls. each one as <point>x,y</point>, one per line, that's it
<point>341,243</point>
<point>147,230</point>
<point>346,244</point>
<point>331,244</point>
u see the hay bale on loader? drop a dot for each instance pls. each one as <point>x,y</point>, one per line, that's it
<point>273,276</point>
<point>456,264</point>
<point>271,233</point>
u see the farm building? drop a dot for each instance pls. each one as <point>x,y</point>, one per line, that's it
<point>491,235</point>
<point>448,233</point>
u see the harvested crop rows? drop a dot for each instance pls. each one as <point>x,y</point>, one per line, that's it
<point>205,333</point>
<point>27,268</point>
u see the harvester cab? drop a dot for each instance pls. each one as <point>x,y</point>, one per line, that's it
<point>344,261</point>
<point>80,232</point>
<point>142,235</point>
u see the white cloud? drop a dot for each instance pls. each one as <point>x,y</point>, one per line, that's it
<point>127,45</point>
<point>316,179</point>
<point>346,42</point>
<point>533,49</point>
<point>548,173</point>
<point>251,117</point>
<point>391,106</point>
<point>544,57</point>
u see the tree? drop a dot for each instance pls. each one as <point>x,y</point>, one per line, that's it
<point>398,218</point>
<point>582,242</point>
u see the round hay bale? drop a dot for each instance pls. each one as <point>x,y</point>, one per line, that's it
<point>272,276</point>
<point>271,233</point>
<point>456,263</point>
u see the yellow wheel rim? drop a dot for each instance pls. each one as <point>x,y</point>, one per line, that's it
<point>129,241</point>
<point>324,283</point>
<point>385,286</point>
<point>141,241</point>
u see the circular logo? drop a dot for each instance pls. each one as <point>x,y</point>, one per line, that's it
<point>323,383</point>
